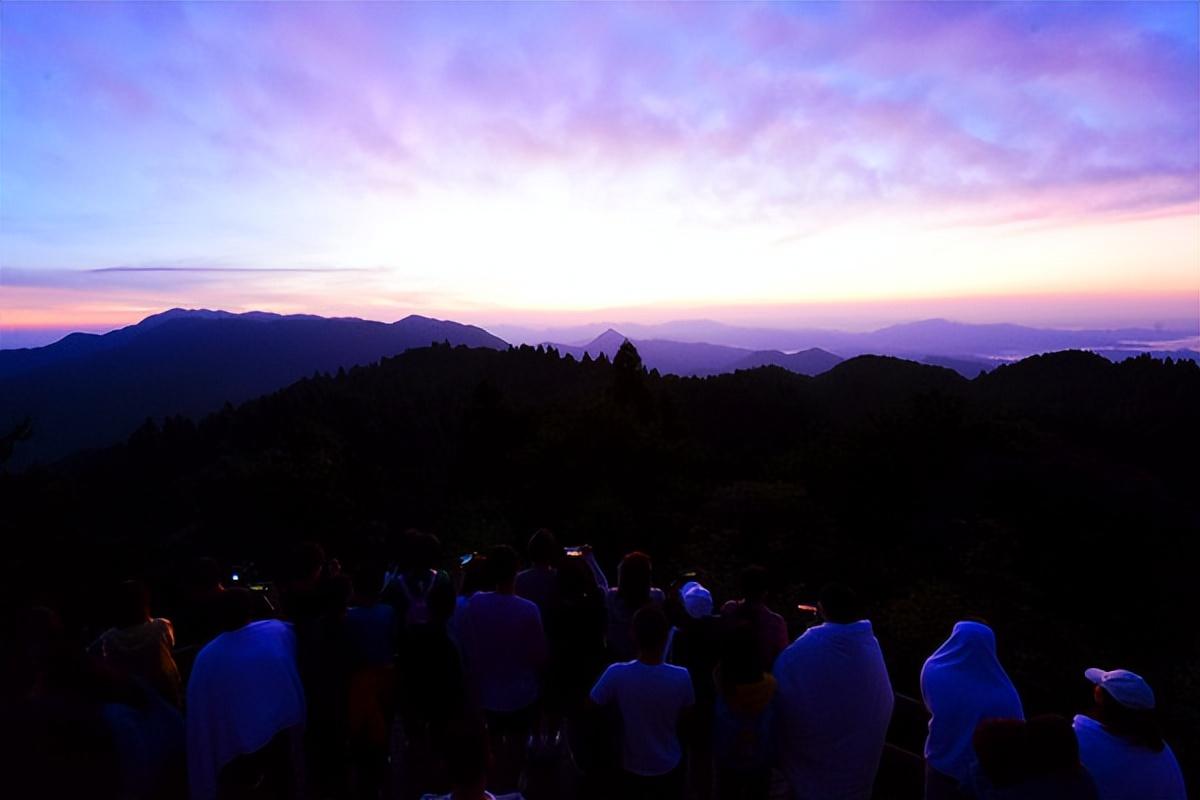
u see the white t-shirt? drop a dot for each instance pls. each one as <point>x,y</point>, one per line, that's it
<point>1124,771</point>
<point>650,699</point>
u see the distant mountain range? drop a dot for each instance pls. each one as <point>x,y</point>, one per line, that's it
<point>702,358</point>
<point>937,341</point>
<point>89,390</point>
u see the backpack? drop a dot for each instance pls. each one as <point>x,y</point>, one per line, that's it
<point>417,606</point>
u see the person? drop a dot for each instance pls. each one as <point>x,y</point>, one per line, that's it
<point>634,590</point>
<point>651,698</point>
<point>1035,760</point>
<point>370,631</point>
<point>468,758</point>
<point>770,629</point>
<point>539,583</point>
<point>1120,742</point>
<point>408,584</point>
<point>835,703</point>
<point>575,632</point>
<point>743,718</point>
<point>962,683</point>
<point>244,697</point>
<point>504,648</point>
<point>139,644</point>
<point>693,643</point>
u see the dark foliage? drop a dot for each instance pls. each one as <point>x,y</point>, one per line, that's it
<point>1054,497</point>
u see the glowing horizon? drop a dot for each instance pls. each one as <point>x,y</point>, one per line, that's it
<point>832,166</point>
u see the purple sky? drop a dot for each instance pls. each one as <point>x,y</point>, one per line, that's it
<point>845,164</point>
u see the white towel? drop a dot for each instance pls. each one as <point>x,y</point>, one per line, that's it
<point>962,684</point>
<point>243,690</point>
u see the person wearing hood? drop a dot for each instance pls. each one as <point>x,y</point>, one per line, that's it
<point>743,718</point>
<point>834,703</point>
<point>962,684</point>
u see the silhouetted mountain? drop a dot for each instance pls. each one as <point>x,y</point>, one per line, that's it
<point>932,340</point>
<point>700,358</point>
<point>90,391</point>
<point>807,362</point>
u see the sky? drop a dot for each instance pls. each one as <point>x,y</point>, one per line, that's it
<point>847,165</point>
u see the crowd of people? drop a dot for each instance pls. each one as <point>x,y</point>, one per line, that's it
<point>322,684</point>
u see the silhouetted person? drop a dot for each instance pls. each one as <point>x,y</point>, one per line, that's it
<point>962,683</point>
<point>371,634</point>
<point>1035,760</point>
<point>504,648</point>
<point>410,581</point>
<point>770,629</point>
<point>652,698</point>
<point>475,576</point>
<point>1121,744</point>
<point>743,718</point>
<point>139,644</point>
<point>835,702</point>
<point>324,656</point>
<point>694,644</point>
<point>245,703</point>
<point>539,583</point>
<point>202,588</point>
<point>54,741</point>
<point>468,762</point>
<point>432,686</point>
<point>634,590</point>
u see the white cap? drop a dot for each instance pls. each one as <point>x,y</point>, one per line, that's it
<point>697,600</point>
<point>1127,688</point>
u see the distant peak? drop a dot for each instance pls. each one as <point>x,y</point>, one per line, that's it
<point>610,339</point>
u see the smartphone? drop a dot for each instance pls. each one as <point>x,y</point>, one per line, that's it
<point>575,551</point>
<point>806,609</point>
<point>465,559</point>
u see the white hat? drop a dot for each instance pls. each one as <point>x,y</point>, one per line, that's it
<point>697,600</point>
<point>1127,688</point>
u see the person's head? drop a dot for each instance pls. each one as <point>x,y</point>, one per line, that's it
<point>543,548</point>
<point>840,605</point>
<point>234,609</point>
<point>1002,748</point>
<point>425,552</point>
<point>1125,705</point>
<point>303,568</point>
<point>467,760</point>
<point>575,579</point>
<point>131,604</point>
<point>476,576</point>
<point>754,584</point>
<point>204,576</point>
<point>697,601</point>
<point>502,564</point>
<point>634,579</point>
<point>649,628</point>
<point>368,584</point>
<point>1053,747</point>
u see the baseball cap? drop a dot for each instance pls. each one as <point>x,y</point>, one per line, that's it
<point>1127,688</point>
<point>697,600</point>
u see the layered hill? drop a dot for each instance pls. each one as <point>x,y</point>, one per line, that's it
<point>702,358</point>
<point>92,390</point>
